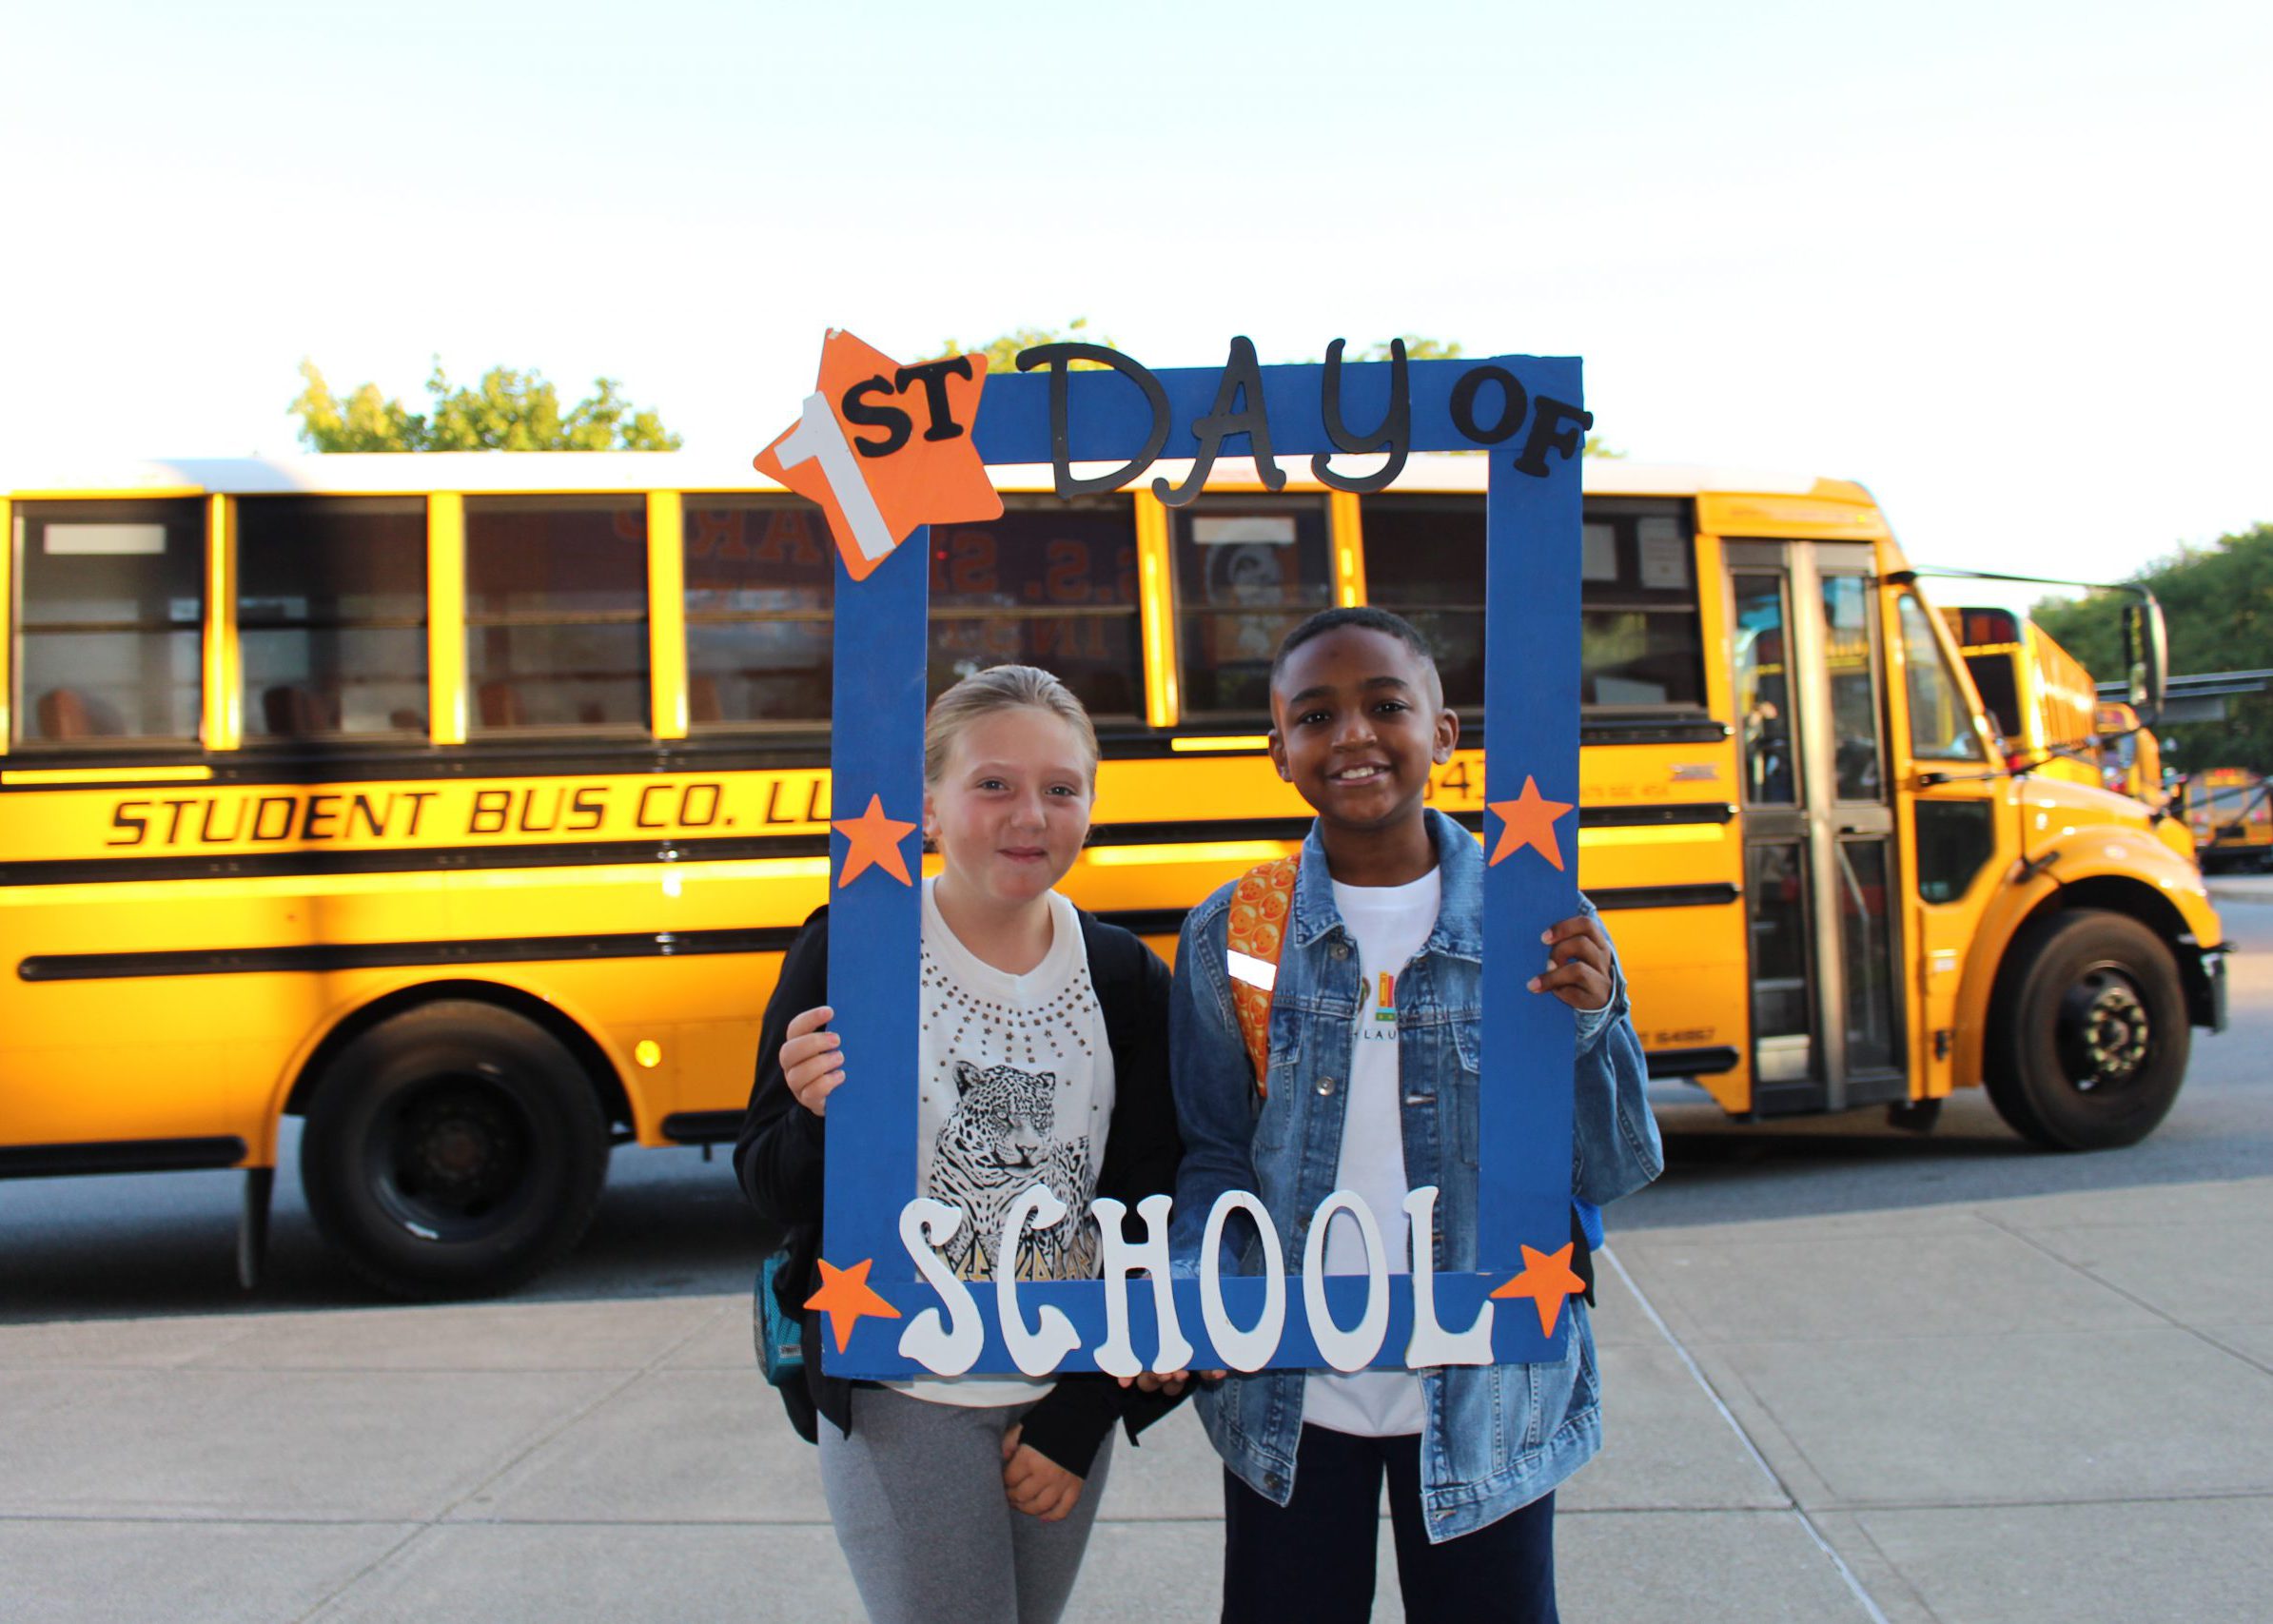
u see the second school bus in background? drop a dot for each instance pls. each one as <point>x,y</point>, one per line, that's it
<point>2050,722</point>
<point>2038,697</point>
<point>2231,812</point>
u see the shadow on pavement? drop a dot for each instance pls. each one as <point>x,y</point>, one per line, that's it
<point>670,1225</point>
<point>133,1245</point>
<point>1718,1171</point>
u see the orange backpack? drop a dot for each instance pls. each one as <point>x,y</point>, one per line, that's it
<point>1257,935</point>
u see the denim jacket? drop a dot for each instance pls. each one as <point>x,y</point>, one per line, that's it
<point>1497,1437</point>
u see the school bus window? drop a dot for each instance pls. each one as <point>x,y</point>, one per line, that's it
<point>761,585</point>
<point>1941,722</point>
<point>1775,878</point>
<point>1847,650</point>
<point>1992,675</point>
<point>1249,571</point>
<point>1867,949</point>
<point>112,597</point>
<point>1955,841</point>
<point>2118,755</point>
<point>2233,803</point>
<point>1425,560</point>
<point>1049,583</point>
<point>332,610</point>
<point>1763,695</point>
<point>556,609</point>
<point>1640,645</point>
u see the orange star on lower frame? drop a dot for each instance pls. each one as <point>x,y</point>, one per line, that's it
<point>847,1298</point>
<point>874,842</point>
<point>1547,1278</point>
<point>1529,820</point>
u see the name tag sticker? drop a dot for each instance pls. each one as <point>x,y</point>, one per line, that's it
<point>1254,971</point>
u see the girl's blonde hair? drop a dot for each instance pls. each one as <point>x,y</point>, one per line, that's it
<point>1001,688</point>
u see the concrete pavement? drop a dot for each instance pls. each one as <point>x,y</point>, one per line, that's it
<point>1879,1379</point>
<point>2046,1408</point>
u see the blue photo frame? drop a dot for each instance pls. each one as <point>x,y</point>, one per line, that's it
<point>1524,413</point>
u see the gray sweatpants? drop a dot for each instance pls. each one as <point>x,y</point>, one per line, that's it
<point>917,1500</point>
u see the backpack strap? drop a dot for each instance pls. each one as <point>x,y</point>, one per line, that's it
<point>1116,969</point>
<point>1254,937</point>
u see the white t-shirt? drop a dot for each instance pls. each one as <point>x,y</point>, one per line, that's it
<point>1391,924</point>
<point>1015,1088</point>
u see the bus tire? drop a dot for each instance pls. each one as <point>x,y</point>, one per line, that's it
<point>453,1150</point>
<point>2091,1040</point>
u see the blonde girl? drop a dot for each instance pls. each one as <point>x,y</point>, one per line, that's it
<point>1042,1057</point>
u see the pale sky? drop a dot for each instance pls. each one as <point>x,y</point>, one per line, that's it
<point>2001,262</point>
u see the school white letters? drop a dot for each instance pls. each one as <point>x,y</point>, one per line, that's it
<point>949,1339</point>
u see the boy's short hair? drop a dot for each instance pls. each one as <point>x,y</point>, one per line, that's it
<point>1366,617</point>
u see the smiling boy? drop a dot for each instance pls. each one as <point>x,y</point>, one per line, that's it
<point>1385,920</point>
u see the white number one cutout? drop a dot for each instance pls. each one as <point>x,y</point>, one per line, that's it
<point>818,438</point>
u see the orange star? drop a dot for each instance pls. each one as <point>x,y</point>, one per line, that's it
<point>846,1297</point>
<point>1529,820</point>
<point>1547,1278</point>
<point>884,448</point>
<point>876,840</point>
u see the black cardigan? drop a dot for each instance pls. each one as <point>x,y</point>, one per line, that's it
<point>778,1160</point>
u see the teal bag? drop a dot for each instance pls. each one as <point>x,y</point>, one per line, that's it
<point>780,1337</point>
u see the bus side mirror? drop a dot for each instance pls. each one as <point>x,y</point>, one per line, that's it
<point>2146,656</point>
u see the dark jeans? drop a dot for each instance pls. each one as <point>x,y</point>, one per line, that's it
<point>1312,1559</point>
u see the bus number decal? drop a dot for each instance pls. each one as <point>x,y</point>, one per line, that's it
<point>1453,782</point>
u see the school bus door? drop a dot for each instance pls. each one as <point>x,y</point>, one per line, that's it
<point>1819,860</point>
<point>1959,840</point>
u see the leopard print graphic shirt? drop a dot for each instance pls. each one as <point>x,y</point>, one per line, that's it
<point>1015,1089</point>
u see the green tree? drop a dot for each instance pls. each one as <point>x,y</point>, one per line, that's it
<point>508,410</point>
<point>1002,353</point>
<point>2219,603</point>
<point>1417,348</point>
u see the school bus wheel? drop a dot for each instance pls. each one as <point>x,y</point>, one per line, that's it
<point>2089,1039</point>
<point>453,1150</point>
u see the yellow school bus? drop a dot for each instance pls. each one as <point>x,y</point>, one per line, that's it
<point>462,804</point>
<point>2050,722</point>
<point>2038,697</point>
<point>2132,762</point>
<point>2231,812</point>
